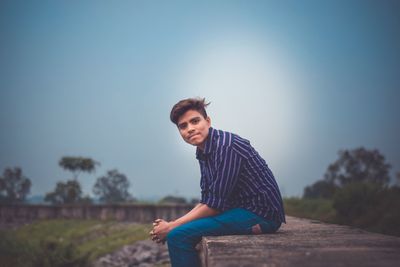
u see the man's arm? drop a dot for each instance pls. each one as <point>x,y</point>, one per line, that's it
<point>190,212</point>
<point>199,211</point>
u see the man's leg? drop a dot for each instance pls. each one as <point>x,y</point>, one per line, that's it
<point>182,240</point>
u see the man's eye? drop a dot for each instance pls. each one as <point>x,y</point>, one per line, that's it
<point>183,126</point>
<point>195,121</point>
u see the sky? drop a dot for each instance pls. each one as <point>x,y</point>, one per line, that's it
<point>300,79</point>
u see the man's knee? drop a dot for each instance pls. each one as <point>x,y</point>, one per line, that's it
<point>180,236</point>
<point>175,236</point>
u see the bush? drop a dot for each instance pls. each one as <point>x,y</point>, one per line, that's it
<point>369,206</point>
<point>353,203</point>
<point>320,189</point>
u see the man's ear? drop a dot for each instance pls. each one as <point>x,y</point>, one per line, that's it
<point>208,119</point>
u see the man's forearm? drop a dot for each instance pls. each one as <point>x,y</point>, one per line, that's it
<point>199,211</point>
<point>192,210</point>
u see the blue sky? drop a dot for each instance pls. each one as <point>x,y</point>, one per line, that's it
<point>299,79</point>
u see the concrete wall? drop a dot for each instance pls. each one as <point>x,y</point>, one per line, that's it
<point>302,243</point>
<point>123,212</point>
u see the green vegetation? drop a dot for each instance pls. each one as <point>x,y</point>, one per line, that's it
<point>316,209</point>
<point>14,186</point>
<point>362,205</point>
<point>70,191</point>
<point>369,206</point>
<point>66,243</point>
<point>112,188</point>
<point>355,191</point>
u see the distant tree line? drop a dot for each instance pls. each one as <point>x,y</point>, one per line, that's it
<point>110,188</point>
<point>113,187</point>
<point>359,185</point>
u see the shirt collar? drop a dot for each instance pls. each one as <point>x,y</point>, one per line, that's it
<point>207,146</point>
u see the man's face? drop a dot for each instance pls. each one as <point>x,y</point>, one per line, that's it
<point>194,128</point>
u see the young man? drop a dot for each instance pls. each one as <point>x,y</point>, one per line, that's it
<point>239,194</point>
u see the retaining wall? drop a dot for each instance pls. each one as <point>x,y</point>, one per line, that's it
<point>303,243</point>
<point>123,212</point>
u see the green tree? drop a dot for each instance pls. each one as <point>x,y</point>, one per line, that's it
<point>112,188</point>
<point>358,185</point>
<point>353,166</point>
<point>66,193</point>
<point>76,165</point>
<point>14,186</point>
<point>320,189</point>
<point>358,165</point>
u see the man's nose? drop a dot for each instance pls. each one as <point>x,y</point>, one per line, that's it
<point>190,128</point>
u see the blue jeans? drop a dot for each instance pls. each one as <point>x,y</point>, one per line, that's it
<point>183,239</point>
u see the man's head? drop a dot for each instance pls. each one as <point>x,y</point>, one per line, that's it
<point>191,118</point>
<point>180,108</point>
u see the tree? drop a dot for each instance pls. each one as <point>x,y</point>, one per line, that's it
<point>78,164</point>
<point>353,166</point>
<point>358,165</point>
<point>320,189</point>
<point>112,188</point>
<point>357,184</point>
<point>66,193</point>
<point>14,186</point>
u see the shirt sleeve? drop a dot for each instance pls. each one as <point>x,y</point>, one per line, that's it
<point>224,179</point>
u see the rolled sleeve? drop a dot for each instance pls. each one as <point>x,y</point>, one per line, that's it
<point>214,202</point>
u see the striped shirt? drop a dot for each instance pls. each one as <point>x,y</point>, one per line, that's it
<point>233,175</point>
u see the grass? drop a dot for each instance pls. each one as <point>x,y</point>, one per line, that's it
<point>316,209</point>
<point>66,242</point>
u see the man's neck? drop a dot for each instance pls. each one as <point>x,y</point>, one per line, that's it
<point>201,147</point>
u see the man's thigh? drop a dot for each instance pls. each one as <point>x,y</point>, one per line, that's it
<point>232,222</point>
<point>240,221</point>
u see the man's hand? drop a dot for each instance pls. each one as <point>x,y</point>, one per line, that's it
<point>161,227</point>
<point>160,230</point>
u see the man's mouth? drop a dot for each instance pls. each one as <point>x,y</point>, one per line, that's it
<point>190,137</point>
